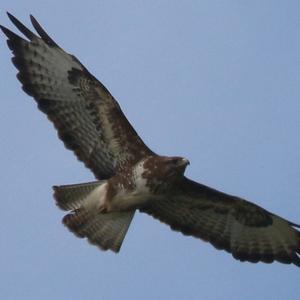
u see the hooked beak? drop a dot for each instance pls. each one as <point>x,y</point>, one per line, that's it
<point>185,162</point>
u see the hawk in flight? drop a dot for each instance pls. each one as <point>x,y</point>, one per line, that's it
<point>129,175</point>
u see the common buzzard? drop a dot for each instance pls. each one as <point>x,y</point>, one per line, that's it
<point>129,175</point>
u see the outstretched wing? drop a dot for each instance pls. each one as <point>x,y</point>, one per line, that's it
<point>240,227</point>
<point>87,117</point>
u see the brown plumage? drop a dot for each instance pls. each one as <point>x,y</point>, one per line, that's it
<point>91,123</point>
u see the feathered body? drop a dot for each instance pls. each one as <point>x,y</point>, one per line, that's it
<point>130,176</point>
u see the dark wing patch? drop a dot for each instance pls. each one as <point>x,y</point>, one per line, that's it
<point>87,117</point>
<point>240,227</point>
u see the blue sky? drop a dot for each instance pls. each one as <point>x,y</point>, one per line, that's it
<point>215,81</point>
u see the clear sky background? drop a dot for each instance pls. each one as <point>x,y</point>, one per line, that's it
<point>215,81</point>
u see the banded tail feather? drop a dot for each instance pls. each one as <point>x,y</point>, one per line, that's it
<point>105,230</point>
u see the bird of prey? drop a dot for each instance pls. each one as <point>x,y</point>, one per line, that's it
<point>129,175</point>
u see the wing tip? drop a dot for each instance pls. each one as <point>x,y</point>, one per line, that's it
<point>45,37</point>
<point>10,16</point>
<point>5,30</point>
<point>27,32</point>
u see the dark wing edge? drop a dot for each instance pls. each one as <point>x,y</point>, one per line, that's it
<point>88,119</point>
<point>247,231</point>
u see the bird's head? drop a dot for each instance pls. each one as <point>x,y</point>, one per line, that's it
<point>165,168</point>
<point>175,164</point>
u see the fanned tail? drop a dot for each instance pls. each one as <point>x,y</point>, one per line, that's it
<point>106,230</point>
